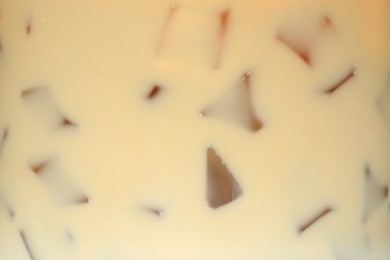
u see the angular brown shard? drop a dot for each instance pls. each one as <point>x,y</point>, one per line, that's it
<point>167,24</point>
<point>40,167</point>
<point>341,82</point>
<point>314,219</point>
<point>67,122</point>
<point>156,89</point>
<point>375,193</point>
<point>236,106</point>
<point>301,50</point>
<point>222,187</point>
<point>27,245</point>
<point>223,23</point>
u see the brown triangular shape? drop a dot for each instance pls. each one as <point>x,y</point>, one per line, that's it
<point>40,167</point>
<point>222,187</point>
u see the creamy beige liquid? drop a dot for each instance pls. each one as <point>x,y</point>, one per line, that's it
<point>194,129</point>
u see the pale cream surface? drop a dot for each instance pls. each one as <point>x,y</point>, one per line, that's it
<point>95,61</point>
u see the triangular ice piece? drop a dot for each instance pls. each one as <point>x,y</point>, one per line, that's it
<point>375,193</point>
<point>235,106</point>
<point>53,175</point>
<point>45,107</point>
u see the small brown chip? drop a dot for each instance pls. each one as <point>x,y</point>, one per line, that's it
<point>67,123</point>
<point>314,219</point>
<point>156,89</point>
<point>40,167</point>
<point>82,200</point>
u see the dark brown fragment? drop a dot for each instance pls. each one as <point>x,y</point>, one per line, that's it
<point>156,89</point>
<point>313,220</point>
<point>67,122</point>
<point>27,245</point>
<point>342,82</point>
<point>222,187</point>
<point>40,167</point>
